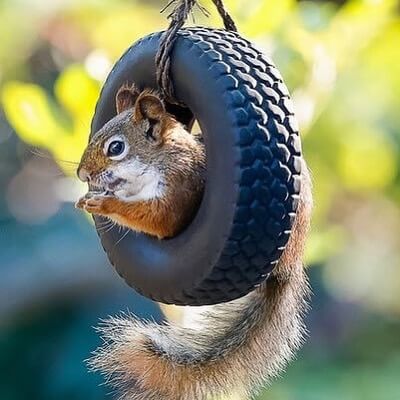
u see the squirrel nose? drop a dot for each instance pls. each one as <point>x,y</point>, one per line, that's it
<point>83,175</point>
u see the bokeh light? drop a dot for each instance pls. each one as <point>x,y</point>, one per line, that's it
<point>340,60</point>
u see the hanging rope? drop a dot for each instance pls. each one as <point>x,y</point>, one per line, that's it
<point>178,18</point>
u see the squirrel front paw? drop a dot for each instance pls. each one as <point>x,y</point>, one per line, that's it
<point>94,203</point>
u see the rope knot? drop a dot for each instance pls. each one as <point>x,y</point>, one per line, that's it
<point>178,18</point>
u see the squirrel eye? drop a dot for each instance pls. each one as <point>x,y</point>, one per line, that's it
<point>115,148</point>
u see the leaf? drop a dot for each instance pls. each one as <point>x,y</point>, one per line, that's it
<point>77,92</point>
<point>28,110</point>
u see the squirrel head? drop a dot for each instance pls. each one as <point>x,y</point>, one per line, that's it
<point>141,151</point>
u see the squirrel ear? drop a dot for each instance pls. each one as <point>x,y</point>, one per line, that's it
<point>126,97</point>
<point>149,106</point>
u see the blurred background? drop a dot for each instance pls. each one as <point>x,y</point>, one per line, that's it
<point>340,60</point>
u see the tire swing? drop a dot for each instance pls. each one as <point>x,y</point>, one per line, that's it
<point>253,163</point>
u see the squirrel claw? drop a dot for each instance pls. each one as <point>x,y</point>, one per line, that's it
<point>93,202</point>
<point>80,203</point>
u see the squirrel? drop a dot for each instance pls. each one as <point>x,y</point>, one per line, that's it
<point>148,173</point>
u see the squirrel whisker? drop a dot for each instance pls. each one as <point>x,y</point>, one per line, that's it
<point>242,344</point>
<point>36,152</point>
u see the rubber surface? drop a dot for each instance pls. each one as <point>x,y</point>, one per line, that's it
<point>253,170</point>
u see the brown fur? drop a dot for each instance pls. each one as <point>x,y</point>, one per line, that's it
<point>244,343</point>
<point>177,154</point>
<point>126,97</point>
<point>167,217</point>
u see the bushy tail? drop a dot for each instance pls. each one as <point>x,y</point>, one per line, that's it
<point>241,346</point>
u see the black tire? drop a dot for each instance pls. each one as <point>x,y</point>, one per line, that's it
<point>253,170</point>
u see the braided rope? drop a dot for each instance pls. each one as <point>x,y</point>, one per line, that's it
<point>178,18</point>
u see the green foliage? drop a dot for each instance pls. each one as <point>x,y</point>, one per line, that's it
<point>341,65</point>
<point>60,126</point>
